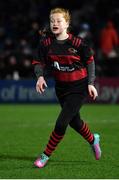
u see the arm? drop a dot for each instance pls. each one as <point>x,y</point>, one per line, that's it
<point>41,83</point>
<point>88,58</point>
<point>91,77</point>
<point>39,71</point>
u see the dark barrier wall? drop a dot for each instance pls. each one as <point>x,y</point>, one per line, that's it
<point>108,90</point>
<point>23,91</point>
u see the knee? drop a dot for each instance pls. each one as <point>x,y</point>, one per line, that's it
<point>71,124</point>
<point>61,127</point>
<point>76,124</point>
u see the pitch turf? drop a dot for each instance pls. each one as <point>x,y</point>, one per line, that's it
<point>24,132</point>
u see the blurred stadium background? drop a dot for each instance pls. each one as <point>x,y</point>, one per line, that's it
<point>25,126</point>
<point>20,25</point>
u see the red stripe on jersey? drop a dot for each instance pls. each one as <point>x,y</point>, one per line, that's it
<point>35,62</point>
<point>46,42</point>
<point>64,59</point>
<point>70,36</point>
<point>79,42</point>
<point>74,40</point>
<point>49,41</point>
<point>72,76</point>
<point>90,60</point>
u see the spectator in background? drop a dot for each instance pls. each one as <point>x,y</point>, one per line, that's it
<point>85,33</point>
<point>109,40</point>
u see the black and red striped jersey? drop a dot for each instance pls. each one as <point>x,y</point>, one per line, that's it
<point>67,59</point>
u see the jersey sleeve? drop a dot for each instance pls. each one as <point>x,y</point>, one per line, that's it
<point>87,56</point>
<point>87,53</point>
<point>39,61</point>
<point>91,73</point>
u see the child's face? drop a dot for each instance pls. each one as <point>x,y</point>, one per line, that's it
<point>58,23</point>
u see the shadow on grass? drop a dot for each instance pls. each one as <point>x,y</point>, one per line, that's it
<point>12,157</point>
<point>56,162</point>
<point>28,158</point>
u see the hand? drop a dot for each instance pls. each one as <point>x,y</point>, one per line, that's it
<point>41,85</point>
<point>92,91</point>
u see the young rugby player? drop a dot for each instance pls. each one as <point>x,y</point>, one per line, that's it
<point>71,62</point>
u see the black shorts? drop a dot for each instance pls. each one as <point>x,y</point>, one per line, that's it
<point>77,87</point>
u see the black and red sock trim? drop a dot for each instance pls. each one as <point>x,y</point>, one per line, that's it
<point>53,142</point>
<point>86,133</point>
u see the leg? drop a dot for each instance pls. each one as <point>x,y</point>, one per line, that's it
<point>70,108</point>
<point>81,127</point>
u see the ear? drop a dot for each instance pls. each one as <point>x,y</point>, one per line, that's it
<point>67,24</point>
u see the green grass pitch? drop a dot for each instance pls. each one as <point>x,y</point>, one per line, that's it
<point>25,130</point>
